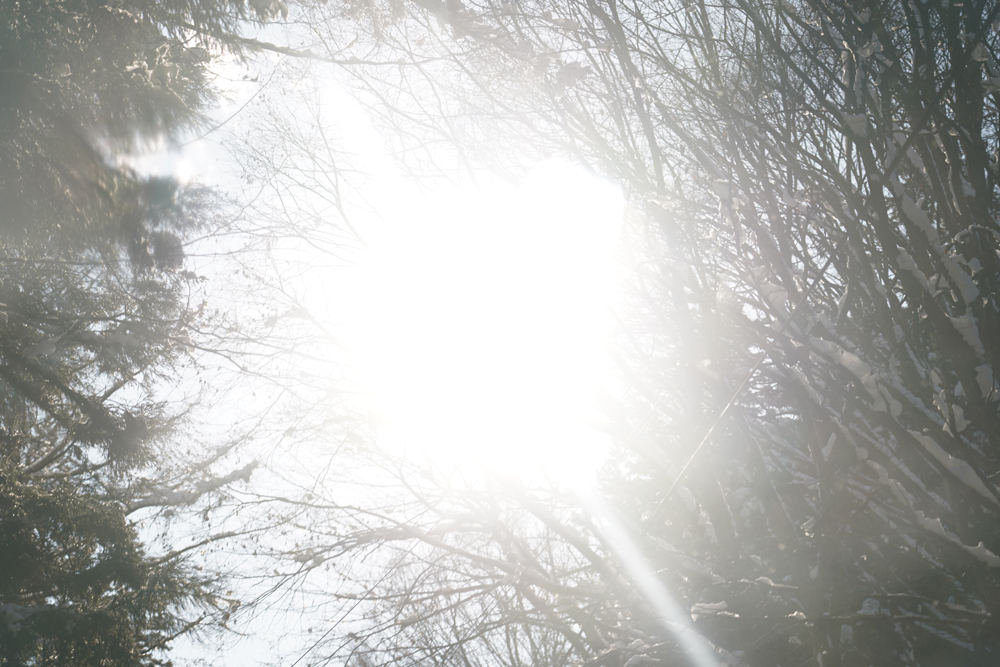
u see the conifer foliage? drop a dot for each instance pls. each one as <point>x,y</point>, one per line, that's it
<point>96,313</point>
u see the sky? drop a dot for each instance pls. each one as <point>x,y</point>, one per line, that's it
<point>479,316</point>
<point>474,317</point>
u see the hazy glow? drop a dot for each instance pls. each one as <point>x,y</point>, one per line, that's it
<point>480,318</point>
<point>672,617</point>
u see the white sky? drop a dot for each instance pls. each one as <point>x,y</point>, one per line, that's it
<point>478,320</point>
<point>478,317</point>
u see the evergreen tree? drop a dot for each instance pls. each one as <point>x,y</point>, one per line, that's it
<point>96,314</point>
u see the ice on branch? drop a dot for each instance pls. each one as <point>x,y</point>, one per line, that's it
<point>858,368</point>
<point>957,467</point>
<point>857,123</point>
<point>966,325</point>
<point>980,552</point>
<point>984,377</point>
<point>175,496</point>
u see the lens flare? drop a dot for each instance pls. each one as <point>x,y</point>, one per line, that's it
<point>672,616</point>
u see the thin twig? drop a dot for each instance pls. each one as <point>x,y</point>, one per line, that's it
<point>737,393</point>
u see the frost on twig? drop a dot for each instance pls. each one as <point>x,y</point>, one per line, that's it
<point>177,495</point>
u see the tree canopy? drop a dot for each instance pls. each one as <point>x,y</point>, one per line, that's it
<point>97,315</point>
<point>807,447</point>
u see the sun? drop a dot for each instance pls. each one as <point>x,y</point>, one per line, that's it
<point>478,322</point>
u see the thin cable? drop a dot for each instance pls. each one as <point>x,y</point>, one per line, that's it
<point>237,113</point>
<point>737,393</point>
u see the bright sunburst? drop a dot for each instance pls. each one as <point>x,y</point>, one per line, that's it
<point>479,322</point>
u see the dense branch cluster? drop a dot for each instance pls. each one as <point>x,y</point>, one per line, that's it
<point>809,440</point>
<point>807,443</point>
